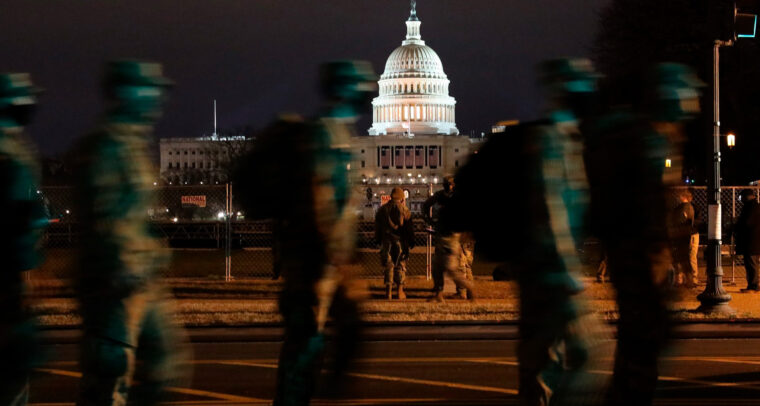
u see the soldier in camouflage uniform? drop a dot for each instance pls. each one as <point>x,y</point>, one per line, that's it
<point>534,226</point>
<point>551,349</point>
<point>451,254</point>
<point>23,222</point>
<point>297,174</point>
<point>626,154</point>
<point>126,317</point>
<point>395,232</point>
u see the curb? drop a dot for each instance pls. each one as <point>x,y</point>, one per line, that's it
<point>452,331</point>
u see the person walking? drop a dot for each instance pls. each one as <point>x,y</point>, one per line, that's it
<point>634,145</point>
<point>534,225</point>
<point>448,245</point>
<point>685,240</point>
<point>395,232</point>
<point>130,345</point>
<point>302,167</point>
<point>23,219</point>
<point>748,238</point>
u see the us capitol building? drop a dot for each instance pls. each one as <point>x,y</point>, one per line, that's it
<point>414,140</point>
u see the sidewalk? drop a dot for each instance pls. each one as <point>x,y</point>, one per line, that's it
<point>253,303</point>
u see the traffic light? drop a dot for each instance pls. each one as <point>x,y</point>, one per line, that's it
<point>745,18</point>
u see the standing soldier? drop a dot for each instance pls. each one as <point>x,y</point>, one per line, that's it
<point>395,232</point>
<point>685,241</point>
<point>448,246</point>
<point>23,221</point>
<point>125,314</point>
<point>302,168</point>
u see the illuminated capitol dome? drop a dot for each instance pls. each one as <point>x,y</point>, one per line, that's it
<point>414,90</point>
<point>414,141</point>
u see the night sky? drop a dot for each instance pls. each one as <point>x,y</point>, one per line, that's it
<point>259,57</point>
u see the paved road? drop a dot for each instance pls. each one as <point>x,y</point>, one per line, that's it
<point>401,371</point>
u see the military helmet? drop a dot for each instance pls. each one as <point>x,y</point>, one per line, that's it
<point>673,79</point>
<point>397,193</point>
<point>676,91</point>
<point>135,73</point>
<point>347,79</point>
<point>575,75</point>
<point>17,89</point>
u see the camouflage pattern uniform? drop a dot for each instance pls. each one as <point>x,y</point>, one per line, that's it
<point>312,203</point>
<point>19,245</point>
<point>394,230</point>
<point>449,250</point>
<point>534,225</point>
<point>126,316</point>
<point>549,264</point>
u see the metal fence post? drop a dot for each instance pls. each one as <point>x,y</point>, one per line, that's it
<point>733,243</point>
<point>228,235</point>
<point>429,248</point>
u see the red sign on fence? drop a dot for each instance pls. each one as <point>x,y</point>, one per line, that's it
<point>199,201</point>
<point>384,199</point>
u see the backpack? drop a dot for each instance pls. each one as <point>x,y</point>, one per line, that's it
<point>265,186</point>
<point>492,197</point>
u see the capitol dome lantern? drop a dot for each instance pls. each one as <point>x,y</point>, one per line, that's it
<point>414,90</point>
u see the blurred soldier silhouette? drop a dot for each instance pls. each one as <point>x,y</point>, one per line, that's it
<point>128,334</point>
<point>448,246</point>
<point>535,224</point>
<point>23,221</point>
<point>626,154</point>
<point>394,231</point>
<point>297,174</point>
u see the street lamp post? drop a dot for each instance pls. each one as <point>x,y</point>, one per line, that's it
<point>714,299</point>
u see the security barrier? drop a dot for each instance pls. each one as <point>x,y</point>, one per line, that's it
<point>210,237</point>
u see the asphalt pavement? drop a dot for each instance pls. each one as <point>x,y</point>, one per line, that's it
<point>710,364</point>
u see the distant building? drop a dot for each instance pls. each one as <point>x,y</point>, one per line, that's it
<point>414,140</point>
<point>501,126</point>
<point>204,160</point>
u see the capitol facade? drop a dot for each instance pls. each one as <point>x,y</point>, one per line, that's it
<point>414,140</point>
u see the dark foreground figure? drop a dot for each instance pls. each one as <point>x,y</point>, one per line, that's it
<point>630,218</point>
<point>307,194</point>
<point>23,219</point>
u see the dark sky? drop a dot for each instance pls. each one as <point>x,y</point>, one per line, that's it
<point>259,57</point>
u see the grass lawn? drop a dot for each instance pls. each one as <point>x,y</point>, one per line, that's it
<point>253,301</point>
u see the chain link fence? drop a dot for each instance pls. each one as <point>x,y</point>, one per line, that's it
<point>210,238</point>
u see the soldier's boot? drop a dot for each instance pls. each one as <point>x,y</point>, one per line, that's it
<point>389,292</point>
<point>468,290</point>
<point>461,294</point>
<point>438,298</point>
<point>401,294</point>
